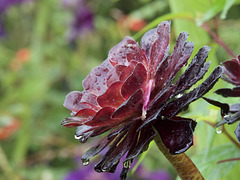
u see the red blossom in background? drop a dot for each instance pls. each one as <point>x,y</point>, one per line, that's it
<point>133,91</point>
<point>230,113</point>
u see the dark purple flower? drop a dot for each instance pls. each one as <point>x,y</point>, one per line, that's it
<point>230,113</point>
<point>82,21</point>
<point>134,90</point>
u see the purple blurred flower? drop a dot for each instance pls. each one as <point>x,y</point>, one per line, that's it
<point>82,21</point>
<point>141,174</point>
<point>4,5</point>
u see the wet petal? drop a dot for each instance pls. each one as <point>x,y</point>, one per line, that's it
<point>112,97</point>
<point>95,82</point>
<point>127,71</point>
<point>176,133</point>
<point>232,70</point>
<point>194,72</point>
<point>73,121</point>
<point>177,105</point>
<point>235,92</point>
<point>160,48</point>
<point>130,107</point>
<point>135,81</point>
<point>90,99</point>
<point>97,149</point>
<point>224,107</point>
<point>237,132</point>
<point>118,54</point>
<point>102,117</point>
<point>118,149</point>
<point>73,101</point>
<point>113,152</point>
<point>180,55</point>
<point>146,135</point>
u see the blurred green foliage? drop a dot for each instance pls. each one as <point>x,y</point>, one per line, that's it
<point>33,88</point>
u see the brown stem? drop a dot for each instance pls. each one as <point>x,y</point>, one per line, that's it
<point>227,160</point>
<point>230,137</point>
<point>183,165</point>
<point>218,40</point>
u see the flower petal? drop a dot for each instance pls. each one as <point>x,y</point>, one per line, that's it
<point>175,106</point>
<point>118,54</point>
<point>224,107</point>
<point>97,149</point>
<point>95,82</point>
<point>112,97</point>
<point>176,133</point>
<point>73,101</point>
<point>194,72</point>
<point>130,107</point>
<point>160,47</point>
<point>120,146</point>
<point>73,121</point>
<point>232,70</point>
<point>237,132</point>
<point>235,92</point>
<point>145,136</point>
<point>180,55</point>
<point>102,117</point>
<point>135,81</point>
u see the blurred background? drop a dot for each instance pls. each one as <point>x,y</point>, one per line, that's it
<point>47,47</point>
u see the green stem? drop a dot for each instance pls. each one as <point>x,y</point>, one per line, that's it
<point>183,165</point>
<point>5,166</point>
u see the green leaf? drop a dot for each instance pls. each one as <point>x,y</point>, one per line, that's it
<point>227,6</point>
<point>155,23</point>
<point>216,7</point>
<point>211,169</point>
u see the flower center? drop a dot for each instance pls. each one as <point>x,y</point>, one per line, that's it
<point>146,98</point>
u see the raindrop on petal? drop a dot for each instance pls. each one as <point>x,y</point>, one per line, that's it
<point>219,129</point>
<point>77,137</point>
<point>85,162</point>
<point>127,164</point>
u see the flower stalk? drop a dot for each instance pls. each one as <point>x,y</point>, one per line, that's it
<point>183,165</point>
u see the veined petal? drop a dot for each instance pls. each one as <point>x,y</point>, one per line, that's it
<point>74,121</point>
<point>102,117</point>
<point>95,82</point>
<point>73,101</point>
<point>177,105</point>
<point>135,81</point>
<point>160,48</point>
<point>235,92</point>
<point>112,97</point>
<point>176,133</point>
<point>130,107</point>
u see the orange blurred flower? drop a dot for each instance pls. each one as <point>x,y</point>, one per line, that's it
<point>22,56</point>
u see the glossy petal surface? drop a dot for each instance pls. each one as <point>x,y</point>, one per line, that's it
<point>176,134</point>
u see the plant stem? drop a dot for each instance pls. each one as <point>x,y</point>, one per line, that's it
<point>183,165</point>
<point>5,166</point>
<point>218,40</point>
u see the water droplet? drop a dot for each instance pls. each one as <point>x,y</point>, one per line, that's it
<point>104,169</point>
<point>178,96</point>
<point>219,129</point>
<point>85,162</point>
<point>77,137</point>
<point>127,164</point>
<point>83,139</point>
